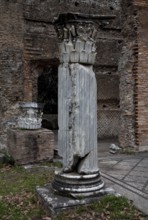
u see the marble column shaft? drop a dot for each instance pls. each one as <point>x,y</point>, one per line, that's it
<point>77,138</point>
<point>77,95</point>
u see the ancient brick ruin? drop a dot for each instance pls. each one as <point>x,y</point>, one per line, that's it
<point>29,59</point>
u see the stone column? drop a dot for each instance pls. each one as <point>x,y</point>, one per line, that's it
<point>77,107</point>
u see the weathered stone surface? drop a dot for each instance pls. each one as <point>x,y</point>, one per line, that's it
<point>11,77</point>
<point>77,108</point>
<point>30,146</point>
<point>77,94</point>
<point>31,116</point>
<point>55,203</point>
<point>45,10</point>
<point>142,81</point>
<point>127,63</point>
<point>77,185</point>
<point>28,45</point>
<point>104,58</point>
<point>77,118</point>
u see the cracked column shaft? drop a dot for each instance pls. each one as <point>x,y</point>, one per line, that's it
<point>77,107</point>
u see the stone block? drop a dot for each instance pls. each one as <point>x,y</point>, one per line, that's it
<point>55,203</point>
<point>30,146</point>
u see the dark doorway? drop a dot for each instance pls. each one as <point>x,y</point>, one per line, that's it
<point>48,94</point>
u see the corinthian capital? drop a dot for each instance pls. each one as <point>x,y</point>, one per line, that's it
<point>77,39</point>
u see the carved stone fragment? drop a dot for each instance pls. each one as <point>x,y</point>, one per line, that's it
<point>31,116</point>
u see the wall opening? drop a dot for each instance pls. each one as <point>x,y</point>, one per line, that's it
<point>48,95</point>
<point>108,106</point>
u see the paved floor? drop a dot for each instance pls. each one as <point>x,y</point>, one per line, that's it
<point>128,175</point>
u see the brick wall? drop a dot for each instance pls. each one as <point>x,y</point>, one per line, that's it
<point>28,44</point>
<point>142,79</point>
<point>41,50</point>
<point>141,3</point>
<point>11,77</point>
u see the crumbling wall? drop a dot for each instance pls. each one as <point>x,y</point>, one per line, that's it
<point>133,68</point>
<point>142,77</point>
<point>11,77</point>
<point>109,44</point>
<point>29,44</point>
<point>127,64</point>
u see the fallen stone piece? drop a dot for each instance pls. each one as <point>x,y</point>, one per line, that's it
<point>114,149</point>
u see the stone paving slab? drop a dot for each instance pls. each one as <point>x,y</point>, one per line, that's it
<point>139,198</point>
<point>136,185</point>
<point>128,175</point>
<point>55,203</point>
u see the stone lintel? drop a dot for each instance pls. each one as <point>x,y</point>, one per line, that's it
<point>77,17</point>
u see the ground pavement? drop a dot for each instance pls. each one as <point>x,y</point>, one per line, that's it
<point>127,174</point>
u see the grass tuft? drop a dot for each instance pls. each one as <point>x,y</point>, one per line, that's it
<point>17,192</point>
<point>108,208</point>
<point>18,199</point>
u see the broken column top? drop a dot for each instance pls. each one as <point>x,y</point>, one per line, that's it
<point>77,34</point>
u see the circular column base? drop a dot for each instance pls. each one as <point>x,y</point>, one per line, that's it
<point>75,185</point>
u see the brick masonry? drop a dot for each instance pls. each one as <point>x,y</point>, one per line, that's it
<point>142,78</point>
<point>30,146</point>
<point>11,59</point>
<point>28,45</point>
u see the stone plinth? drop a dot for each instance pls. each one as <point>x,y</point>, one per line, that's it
<point>30,146</point>
<point>54,203</point>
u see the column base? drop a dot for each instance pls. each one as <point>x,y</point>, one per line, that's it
<point>55,203</point>
<point>76,185</point>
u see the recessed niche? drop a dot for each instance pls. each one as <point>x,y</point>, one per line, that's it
<point>111,8</point>
<point>76,4</point>
<point>119,42</point>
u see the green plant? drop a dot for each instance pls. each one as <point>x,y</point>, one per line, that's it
<point>107,208</point>
<point>18,199</point>
<point>128,151</point>
<point>8,160</point>
<point>17,192</point>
